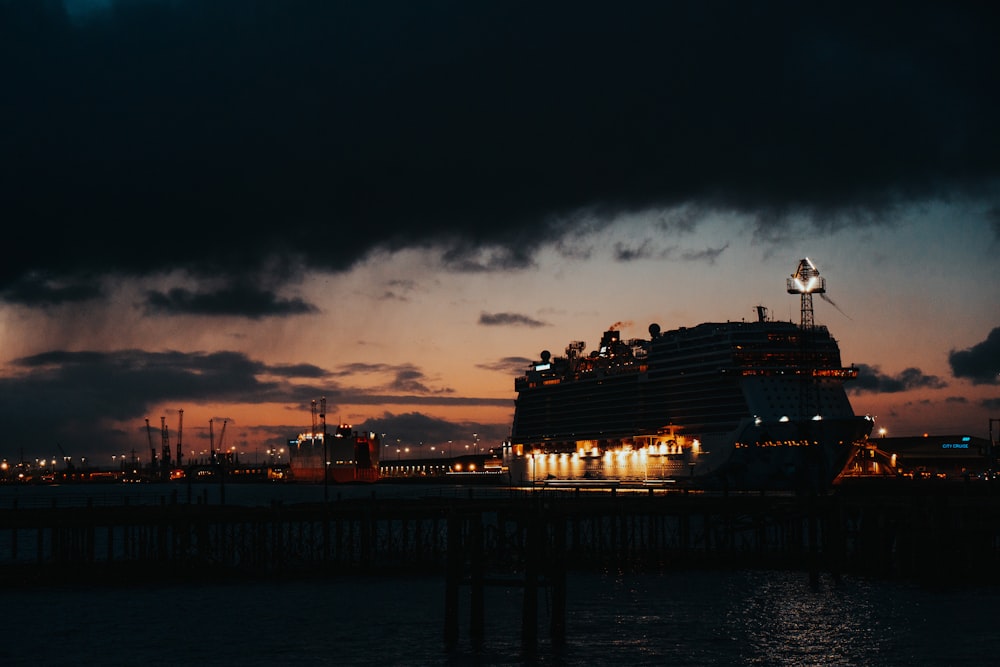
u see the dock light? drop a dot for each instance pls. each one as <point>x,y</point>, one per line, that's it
<point>784,418</point>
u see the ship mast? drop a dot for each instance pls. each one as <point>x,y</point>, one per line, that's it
<point>806,281</point>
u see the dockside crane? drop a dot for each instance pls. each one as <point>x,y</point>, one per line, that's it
<point>326,451</point>
<point>165,447</point>
<point>67,461</point>
<point>152,448</point>
<point>211,441</point>
<point>312,428</point>
<point>222,434</point>
<point>180,427</point>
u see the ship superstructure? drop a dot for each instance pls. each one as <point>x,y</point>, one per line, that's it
<point>343,456</point>
<point>757,403</point>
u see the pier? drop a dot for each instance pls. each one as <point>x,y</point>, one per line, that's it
<point>910,530</point>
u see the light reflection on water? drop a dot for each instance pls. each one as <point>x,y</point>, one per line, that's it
<point>679,618</point>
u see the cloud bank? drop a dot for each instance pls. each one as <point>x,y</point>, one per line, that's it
<point>224,139</point>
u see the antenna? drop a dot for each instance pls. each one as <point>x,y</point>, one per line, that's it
<point>806,281</point>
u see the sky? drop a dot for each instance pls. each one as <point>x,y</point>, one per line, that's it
<point>235,208</point>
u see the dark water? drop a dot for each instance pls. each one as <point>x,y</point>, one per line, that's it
<point>676,617</point>
<point>679,618</point>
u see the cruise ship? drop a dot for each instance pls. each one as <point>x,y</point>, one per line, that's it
<point>756,405</point>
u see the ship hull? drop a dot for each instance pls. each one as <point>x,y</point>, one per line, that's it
<point>337,474</point>
<point>801,457</point>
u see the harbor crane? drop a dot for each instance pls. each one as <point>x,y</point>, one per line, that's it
<point>180,426</point>
<point>152,448</point>
<point>67,461</point>
<point>312,428</point>
<point>165,447</point>
<point>222,434</point>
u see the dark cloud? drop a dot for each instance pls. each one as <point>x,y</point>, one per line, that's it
<point>509,319</point>
<point>467,257</point>
<point>648,250</point>
<point>708,255</point>
<point>359,396</point>
<point>405,378</point>
<point>683,220</point>
<point>645,250</point>
<point>994,218</point>
<point>419,432</point>
<point>242,300</point>
<point>360,367</point>
<point>398,290</point>
<point>980,363</point>
<point>871,379</point>
<point>297,371</point>
<point>70,397</point>
<point>171,136</point>
<point>39,291</point>
<point>410,379</point>
<point>511,366</point>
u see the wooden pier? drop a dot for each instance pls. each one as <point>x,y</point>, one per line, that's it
<point>910,532</point>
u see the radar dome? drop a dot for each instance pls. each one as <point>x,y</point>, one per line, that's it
<point>654,330</point>
<point>545,356</point>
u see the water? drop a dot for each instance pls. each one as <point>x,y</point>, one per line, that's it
<point>613,618</point>
<point>679,618</point>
